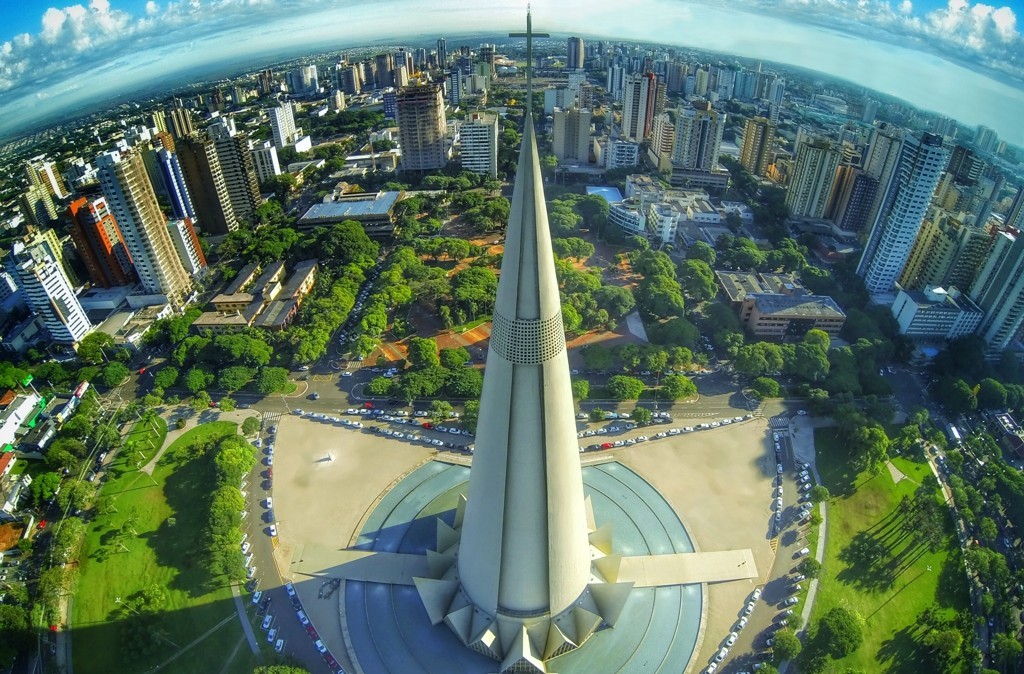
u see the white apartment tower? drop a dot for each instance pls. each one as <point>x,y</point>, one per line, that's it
<point>264,157</point>
<point>282,124</point>
<point>999,291</point>
<point>479,139</point>
<point>133,203</point>
<point>640,103</point>
<point>922,161</point>
<point>49,293</point>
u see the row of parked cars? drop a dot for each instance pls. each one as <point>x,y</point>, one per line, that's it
<point>643,438</point>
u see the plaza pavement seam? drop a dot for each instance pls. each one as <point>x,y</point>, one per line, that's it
<point>357,531</point>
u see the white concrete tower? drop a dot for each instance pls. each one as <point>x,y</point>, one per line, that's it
<point>515,579</point>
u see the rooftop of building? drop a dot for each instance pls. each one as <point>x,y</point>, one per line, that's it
<point>937,298</point>
<point>275,313</point>
<point>299,275</point>
<point>796,306</point>
<point>737,285</point>
<point>352,207</point>
<point>243,278</point>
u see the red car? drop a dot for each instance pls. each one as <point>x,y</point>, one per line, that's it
<point>311,631</point>
<point>368,406</point>
<point>214,404</point>
<point>42,524</point>
<point>607,445</point>
<point>427,424</point>
<point>142,370</point>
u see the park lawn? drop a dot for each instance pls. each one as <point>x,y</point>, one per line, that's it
<point>159,553</point>
<point>865,503</point>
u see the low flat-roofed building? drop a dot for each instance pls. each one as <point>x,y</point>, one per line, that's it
<point>790,315</point>
<point>301,281</point>
<point>225,322</point>
<point>717,180</point>
<point>374,211</point>
<point>229,303</point>
<point>935,313</point>
<point>278,315</point>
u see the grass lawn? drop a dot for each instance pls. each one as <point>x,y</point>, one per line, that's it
<point>161,551</point>
<point>892,591</point>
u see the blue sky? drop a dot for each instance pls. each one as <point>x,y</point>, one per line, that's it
<point>958,57</point>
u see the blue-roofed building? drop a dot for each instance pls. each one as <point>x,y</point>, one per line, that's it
<point>374,211</point>
<point>609,194</point>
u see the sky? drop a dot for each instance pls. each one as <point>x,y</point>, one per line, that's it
<point>961,58</point>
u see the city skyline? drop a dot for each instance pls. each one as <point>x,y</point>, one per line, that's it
<point>956,59</point>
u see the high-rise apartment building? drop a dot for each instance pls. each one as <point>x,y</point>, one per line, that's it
<point>48,293</point>
<point>777,91</point>
<point>946,253</point>
<point>921,163</point>
<point>986,139</point>
<point>264,157</point>
<point>758,145</point>
<point>181,122</point>
<point>1015,216</point>
<point>643,99</point>
<point>99,243</point>
<point>43,173</point>
<point>186,244</point>
<point>442,52</point>
<point>614,81</point>
<point>852,195</point>
<point>37,206</point>
<point>206,184</point>
<point>158,121</point>
<point>174,186</point>
<point>239,171</point>
<point>880,163</point>
<point>999,291</point>
<point>814,173</point>
<point>421,127</point>
<point>282,125</point>
<point>698,139</point>
<point>133,203</point>
<point>663,139</point>
<point>384,65</point>
<point>575,53</point>
<point>570,136</point>
<point>479,141</point>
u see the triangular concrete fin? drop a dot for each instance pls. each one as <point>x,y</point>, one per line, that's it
<point>589,506</point>
<point>556,639</point>
<point>446,536</point>
<point>610,598</point>
<point>483,629</point>
<point>538,633</point>
<point>520,656</point>
<point>586,623</point>
<point>601,538</point>
<point>460,511</point>
<point>607,566</point>
<point>566,622</point>
<point>436,596</point>
<point>461,622</point>
<point>438,562</point>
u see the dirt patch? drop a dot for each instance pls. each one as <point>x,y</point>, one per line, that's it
<point>10,534</point>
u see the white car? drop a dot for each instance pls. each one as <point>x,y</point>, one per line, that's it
<point>271,635</point>
<point>256,596</point>
<point>279,646</point>
<point>756,594</point>
<point>270,502</point>
<point>731,639</point>
<point>272,530</point>
<point>750,608</point>
<point>741,624</point>
<point>320,646</point>
<point>778,468</point>
<point>803,552</point>
<point>268,620</point>
<point>302,617</point>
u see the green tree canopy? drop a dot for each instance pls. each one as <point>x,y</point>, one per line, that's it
<point>423,352</point>
<point>622,387</point>
<point>676,386</point>
<point>840,631</point>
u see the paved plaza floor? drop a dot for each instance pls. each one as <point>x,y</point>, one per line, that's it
<point>328,479</point>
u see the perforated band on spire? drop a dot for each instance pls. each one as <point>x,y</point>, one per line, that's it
<point>525,341</point>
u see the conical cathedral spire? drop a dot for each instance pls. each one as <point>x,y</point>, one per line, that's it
<point>517,584</point>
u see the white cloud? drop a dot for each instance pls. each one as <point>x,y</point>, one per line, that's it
<point>152,8</point>
<point>906,7</point>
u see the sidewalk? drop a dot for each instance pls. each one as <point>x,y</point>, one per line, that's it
<point>801,431</point>
<point>191,421</point>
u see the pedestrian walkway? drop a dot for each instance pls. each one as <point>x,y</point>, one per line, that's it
<point>244,619</point>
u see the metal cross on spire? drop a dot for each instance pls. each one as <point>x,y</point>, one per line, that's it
<point>529,35</point>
